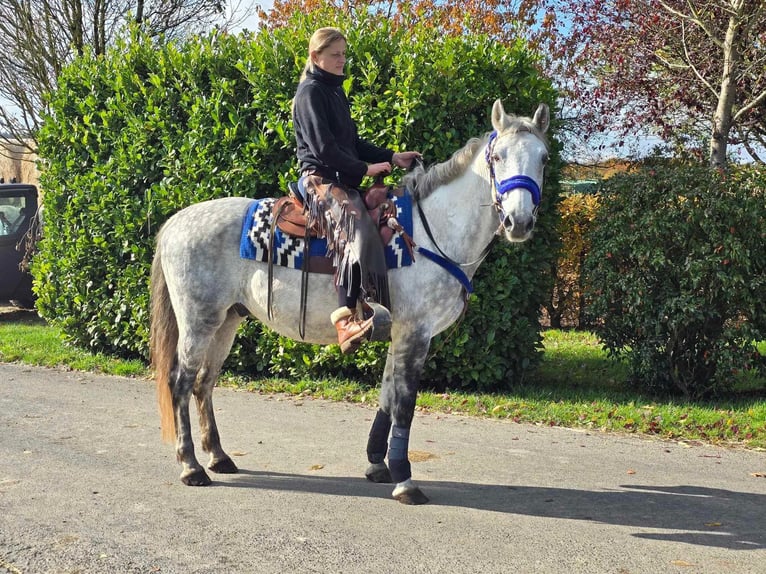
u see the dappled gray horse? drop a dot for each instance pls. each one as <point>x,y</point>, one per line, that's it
<point>202,289</point>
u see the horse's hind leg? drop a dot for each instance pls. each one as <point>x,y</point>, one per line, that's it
<point>398,394</point>
<point>182,379</point>
<point>194,343</point>
<point>203,393</point>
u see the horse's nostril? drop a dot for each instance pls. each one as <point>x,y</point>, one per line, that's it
<point>529,225</point>
<point>520,226</point>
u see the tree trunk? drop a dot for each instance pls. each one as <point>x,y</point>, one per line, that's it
<point>140,11</point>
<point>727,95</point>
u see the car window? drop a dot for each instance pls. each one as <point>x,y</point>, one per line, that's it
<point>13,212</point>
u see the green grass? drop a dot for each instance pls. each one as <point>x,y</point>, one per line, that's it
<point>575,386</point>
<point>35,343</point>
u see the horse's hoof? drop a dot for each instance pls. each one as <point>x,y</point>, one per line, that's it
<point>196,478</point>
<point>413,497</point>
<point>225,466</point>
<point>407,493</point>
<point>378,473</point>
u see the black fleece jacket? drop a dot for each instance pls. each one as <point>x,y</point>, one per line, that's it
<point>325,133</point>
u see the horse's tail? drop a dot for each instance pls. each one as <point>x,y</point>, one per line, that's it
<point>162,344</point>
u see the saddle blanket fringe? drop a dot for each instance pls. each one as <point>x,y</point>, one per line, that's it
<point>288,250</point>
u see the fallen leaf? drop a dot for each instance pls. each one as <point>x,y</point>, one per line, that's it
<point>713,524</point>
<point>631,471</point>
<point>420,456</point>
<point>316,467</point>
<point>238,453</point>
<point>681,563</point>
<point>758,474</point>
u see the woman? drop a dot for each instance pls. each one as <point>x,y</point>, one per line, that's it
<point>329,148</point>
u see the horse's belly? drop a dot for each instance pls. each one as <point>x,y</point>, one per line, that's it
<point>285,316</point>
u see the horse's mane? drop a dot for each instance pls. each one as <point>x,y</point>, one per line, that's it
<point>421,181</point>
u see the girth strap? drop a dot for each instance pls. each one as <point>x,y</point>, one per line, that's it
<point>304,284</point>
<point>270,253</point>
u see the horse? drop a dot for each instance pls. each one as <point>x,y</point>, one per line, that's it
<point>201,290</point>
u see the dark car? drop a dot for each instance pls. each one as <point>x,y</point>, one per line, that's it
<point>18,205</point>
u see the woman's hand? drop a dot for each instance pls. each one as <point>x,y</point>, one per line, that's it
<point>375,169</point>
<point>404,159</point>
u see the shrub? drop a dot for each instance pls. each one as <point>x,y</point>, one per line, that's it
<point>151,127</point>
<point>567,306</point>
<point>676,275</point>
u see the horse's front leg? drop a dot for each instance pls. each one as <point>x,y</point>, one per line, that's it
<point>398,394</point>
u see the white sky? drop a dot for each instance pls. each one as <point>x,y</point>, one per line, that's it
<point>244,6</point>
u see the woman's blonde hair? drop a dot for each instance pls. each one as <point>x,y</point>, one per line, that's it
<point>319,41</point>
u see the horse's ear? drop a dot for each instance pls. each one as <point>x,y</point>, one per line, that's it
<point>500,119</point>
<point>542,117</point>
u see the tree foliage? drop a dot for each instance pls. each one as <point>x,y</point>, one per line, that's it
<point>504,20</point>
<point>692,71</point>
<point>566,306</point>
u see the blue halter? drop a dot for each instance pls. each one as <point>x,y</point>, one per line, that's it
<point>515,182</point>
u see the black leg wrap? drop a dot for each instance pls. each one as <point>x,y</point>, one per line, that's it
<point>398,461</point>
<point>377,444</point>
<point>400,470</point>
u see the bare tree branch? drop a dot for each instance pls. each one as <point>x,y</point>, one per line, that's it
<point>39,37</point>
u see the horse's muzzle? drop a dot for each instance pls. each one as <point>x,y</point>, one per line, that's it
<point>518,228</point>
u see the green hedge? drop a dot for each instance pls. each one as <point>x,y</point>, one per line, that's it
<point>676,275</point>
<point>151,127</point>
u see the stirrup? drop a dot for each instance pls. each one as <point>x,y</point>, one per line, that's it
<point>381,320</point>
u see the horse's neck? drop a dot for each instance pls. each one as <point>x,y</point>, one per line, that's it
<point>461,217</point>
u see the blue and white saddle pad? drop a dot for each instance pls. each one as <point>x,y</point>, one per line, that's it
<point>288,251</point>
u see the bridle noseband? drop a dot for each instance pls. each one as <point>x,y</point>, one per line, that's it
<point>501,188</point>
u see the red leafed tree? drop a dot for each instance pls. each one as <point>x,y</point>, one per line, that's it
<point>502,19</point>
<point>694,70</point>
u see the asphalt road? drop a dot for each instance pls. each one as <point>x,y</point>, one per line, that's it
<point>86,486</point>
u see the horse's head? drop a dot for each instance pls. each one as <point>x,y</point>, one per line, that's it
<point>516,156</point>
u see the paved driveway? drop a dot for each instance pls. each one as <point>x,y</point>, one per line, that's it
<point>87,486</point>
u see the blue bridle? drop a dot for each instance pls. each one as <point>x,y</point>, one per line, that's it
<point>515,182</point>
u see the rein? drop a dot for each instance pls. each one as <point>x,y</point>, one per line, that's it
<point>444,260</point>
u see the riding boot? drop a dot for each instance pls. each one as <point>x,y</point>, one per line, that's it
<point>351,330</point>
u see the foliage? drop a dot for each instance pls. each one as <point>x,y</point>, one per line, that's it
<point>503,20</point>
<point>133,137</point>
<point>692,71</point>
<point>676,275</point>
<point>577,212</point>
<point>152,127</point>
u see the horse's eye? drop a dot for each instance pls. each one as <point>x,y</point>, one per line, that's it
<point>545,158</point>
<point>495,157</point>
